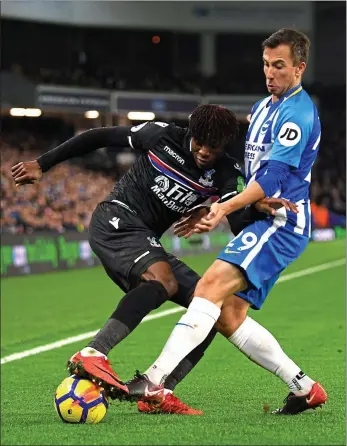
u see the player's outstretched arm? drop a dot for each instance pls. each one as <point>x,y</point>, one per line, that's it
<point>258,211</point>
<point>29,172</point>
<point>240,219</point>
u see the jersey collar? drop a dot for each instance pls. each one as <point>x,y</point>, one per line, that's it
<point>293,91</point>
<point>187,141</point>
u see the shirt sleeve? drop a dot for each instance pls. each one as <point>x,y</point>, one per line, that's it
<point>291,134</point>
<point>276,174</point>
<point>145,136</point>
<point>83,144</point>
<point>233,186</point>
<point>242,218</point>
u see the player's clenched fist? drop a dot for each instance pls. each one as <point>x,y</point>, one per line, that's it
<point>28,172</point>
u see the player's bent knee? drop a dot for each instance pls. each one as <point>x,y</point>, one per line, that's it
<point>168,281</point>
<point>220,281</point>
<point>171,286</point>
<point>162,272</point>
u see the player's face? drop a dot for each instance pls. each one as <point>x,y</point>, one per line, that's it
<point>204,156</point>
<point>280,72</point>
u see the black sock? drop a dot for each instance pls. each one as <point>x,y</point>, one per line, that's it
<point>133,307</point>
<point>189,362</point>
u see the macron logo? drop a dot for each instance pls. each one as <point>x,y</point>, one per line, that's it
<point>174,155</point>
<point>115,222</point>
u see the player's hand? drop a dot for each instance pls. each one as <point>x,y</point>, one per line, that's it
<point>28,172</point>
<point>212,219</point>
<point>270,205</point>
<point>185,226</point>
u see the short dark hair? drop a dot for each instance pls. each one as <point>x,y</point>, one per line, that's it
<point>213,125</point>
<point>298,41</point>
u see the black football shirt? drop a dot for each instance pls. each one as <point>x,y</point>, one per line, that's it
<point>165,182</point>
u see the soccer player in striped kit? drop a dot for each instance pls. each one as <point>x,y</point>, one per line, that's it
<point>281,147</point>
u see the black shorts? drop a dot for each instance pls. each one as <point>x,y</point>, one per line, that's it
<point>126,248</point>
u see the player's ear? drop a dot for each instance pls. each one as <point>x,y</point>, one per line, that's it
<point>300,69</point>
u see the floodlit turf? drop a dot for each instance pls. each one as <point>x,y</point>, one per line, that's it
<point>307,315</point>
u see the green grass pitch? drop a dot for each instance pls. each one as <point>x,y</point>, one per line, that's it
<point>306,314</point>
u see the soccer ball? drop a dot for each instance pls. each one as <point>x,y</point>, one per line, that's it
<point>80,401</point>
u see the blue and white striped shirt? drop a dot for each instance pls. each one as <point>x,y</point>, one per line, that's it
<point>289,131</point>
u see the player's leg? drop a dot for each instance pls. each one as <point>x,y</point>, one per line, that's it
<point>126,254</point>
<point>157,285</point>
<point>187,280</point>
<point>261,347</point>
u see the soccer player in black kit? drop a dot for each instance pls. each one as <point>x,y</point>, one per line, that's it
<point>178,169</point>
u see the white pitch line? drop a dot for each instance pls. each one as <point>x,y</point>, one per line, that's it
<point>160,314</point>
<point>312,270</point>
<point>81,337</point>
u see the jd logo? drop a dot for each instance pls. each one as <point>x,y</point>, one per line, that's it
<point>290,134</point>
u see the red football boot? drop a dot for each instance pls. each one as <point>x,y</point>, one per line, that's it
<point>295,404</point>
<point>170,405</point>
<point>98,369</point>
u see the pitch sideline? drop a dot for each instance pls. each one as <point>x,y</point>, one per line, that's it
<point>158,315</point>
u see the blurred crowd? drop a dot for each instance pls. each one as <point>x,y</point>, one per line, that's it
<point>62,201</point>
<point>65,198</point>
<point>110,77</point>
<point>328,186</point>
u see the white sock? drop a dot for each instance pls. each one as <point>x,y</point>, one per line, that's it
<point>88,351</point>
<point>189,332</point>
<point>261,347</point>
<point>168,392</point>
